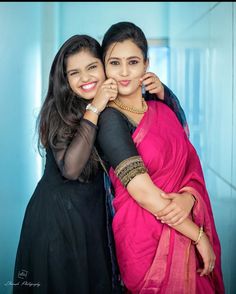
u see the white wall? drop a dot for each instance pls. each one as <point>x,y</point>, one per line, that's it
<point>202,38</point>
<point>94,18</point>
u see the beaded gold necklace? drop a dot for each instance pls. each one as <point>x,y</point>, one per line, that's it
<point>131,109</point>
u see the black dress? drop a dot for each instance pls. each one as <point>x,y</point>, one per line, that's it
<point>63,246</point>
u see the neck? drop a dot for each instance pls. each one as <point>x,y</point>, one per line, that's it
<point>132,103</point>
<point>134,99</point>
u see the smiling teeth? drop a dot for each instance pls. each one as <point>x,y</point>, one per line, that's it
<point>89,86</point>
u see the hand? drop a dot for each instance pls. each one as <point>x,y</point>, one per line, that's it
<point>177,210</point>
<point>108,91</point>
<point>153,84</point>
<point>208,256</point>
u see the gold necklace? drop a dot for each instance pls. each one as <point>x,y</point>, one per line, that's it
<point>131,109</point>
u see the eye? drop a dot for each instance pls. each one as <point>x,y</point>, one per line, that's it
<point>92,67</point>
<point>114,62</point>
<point>73,73</point>
<point>133,61</point>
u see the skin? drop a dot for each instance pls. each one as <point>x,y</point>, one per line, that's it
<point>86,77</point>
<point>125,64</point>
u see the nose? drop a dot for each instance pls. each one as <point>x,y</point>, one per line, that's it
<point>84,77</point>
<point>124,70</point>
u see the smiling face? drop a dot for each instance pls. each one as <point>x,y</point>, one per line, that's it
<point>125,63</point>
<point>85,74</point>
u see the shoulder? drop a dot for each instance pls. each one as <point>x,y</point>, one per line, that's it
<point>160,106</point>
<point>163,111</point>
<point>111,114</point>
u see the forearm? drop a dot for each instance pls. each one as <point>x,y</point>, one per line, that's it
<point>91,116</point>
<point>188,228</point>
<point>72,160</point>
<point>148,196</point>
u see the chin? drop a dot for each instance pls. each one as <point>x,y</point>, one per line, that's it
<point>88,96</point>
<point>126,92</point>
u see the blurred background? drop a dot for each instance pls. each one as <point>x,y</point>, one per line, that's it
<point>192,50</point>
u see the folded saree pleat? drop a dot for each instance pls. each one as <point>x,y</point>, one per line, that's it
<point>153,257</point>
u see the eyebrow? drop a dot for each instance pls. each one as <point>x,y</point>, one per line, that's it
<point>76,69</point>
<point>131,57</point>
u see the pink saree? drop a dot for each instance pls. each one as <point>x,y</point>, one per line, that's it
<point>153,257</point>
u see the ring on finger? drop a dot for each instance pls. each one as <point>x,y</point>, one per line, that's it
<point>211,267</point>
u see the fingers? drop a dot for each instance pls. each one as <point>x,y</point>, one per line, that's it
<point>173,219</point>
<point>107,92</point>
<point>208,260</point>
<point>205,270</point>
<point>111,89</point>
<point>169,196</point>
<point>110,84</point>
<point>178,222</point>
<point>110,81</point>
<point>151,83</point>
<point>171,215</point>
<point>150,75</point>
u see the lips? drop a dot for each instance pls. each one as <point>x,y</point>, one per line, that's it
<point>88,86</point>
<point>124,83</point>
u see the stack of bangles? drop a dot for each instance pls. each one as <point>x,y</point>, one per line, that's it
<point>199,235</point>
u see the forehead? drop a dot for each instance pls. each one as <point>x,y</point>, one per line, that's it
<point>123,50</point>
<point>81,59</point>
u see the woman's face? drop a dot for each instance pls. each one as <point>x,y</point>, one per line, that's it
<point>85,74</point>
<point>124,62</point>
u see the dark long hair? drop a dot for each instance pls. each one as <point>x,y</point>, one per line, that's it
<point>62,108</point>
<point>123,31</point>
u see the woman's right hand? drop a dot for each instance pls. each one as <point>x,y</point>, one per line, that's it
<point>208,256</point>
<point>108,91</point>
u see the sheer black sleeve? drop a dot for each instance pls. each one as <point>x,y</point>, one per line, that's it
<point>72,160</point>
<point>116,144</point>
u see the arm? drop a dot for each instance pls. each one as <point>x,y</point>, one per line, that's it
<point>178,209</point>
<point>72,160</point>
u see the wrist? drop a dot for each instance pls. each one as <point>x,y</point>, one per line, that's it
<point>93,108</point>
<point>161,94</point>
<point>200,234</point>
<point>189,194</point>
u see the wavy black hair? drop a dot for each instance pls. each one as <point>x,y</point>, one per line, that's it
<point>62,108</point>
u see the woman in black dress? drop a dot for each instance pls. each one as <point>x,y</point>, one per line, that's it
<point>63,245</point>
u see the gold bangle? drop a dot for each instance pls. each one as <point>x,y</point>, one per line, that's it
<point>199,235</point>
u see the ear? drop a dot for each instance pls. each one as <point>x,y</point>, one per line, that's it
<point>146,64</point>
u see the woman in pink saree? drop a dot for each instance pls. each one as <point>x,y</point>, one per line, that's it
<point>148,153</point>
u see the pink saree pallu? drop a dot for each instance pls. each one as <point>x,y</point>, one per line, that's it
<point>153,257</point>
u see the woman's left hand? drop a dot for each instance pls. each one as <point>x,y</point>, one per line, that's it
<point>153,84</point>
<point>177,210</point>
<point>206,251</point>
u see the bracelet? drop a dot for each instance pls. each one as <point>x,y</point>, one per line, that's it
<point>199,235</point>
<point>92,108</point>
